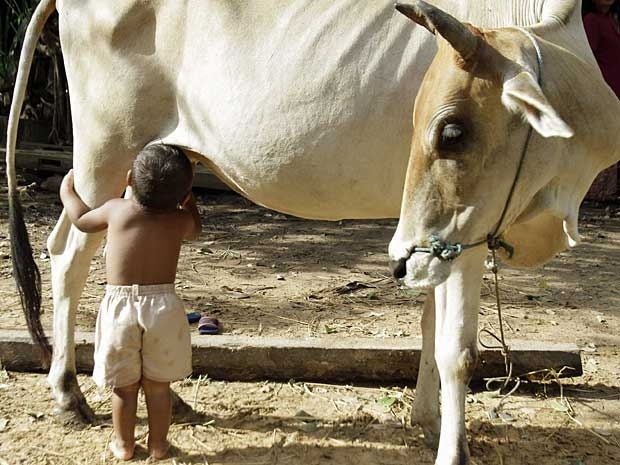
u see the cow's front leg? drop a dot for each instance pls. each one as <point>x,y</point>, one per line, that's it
<point>457,302</point>
<point>426,403</point>
<point>71,252</point>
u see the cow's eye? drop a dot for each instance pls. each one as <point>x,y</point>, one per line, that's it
<point>451,134</point>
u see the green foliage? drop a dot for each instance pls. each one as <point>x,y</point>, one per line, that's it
<point>13,22</point>
<point>47,98</point>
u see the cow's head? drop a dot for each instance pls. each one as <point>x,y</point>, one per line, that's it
<point>472,115</point>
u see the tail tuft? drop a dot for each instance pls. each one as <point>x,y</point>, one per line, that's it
<point>27,277</point>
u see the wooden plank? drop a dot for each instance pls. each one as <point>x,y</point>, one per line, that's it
<point>240,358</point>
<point>59,159</point>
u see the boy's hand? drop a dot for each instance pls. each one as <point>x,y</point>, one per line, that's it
<point>67,181</point>
<point>189,205</point>
<point>81,215</point>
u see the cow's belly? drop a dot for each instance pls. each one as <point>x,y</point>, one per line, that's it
<point>352,166</point>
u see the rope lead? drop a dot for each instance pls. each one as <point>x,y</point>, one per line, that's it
<point>505,349</point>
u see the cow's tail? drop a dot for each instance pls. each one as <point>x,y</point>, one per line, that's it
<point>25,269</point>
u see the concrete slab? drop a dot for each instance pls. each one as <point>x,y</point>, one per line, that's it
<point>338,360</point>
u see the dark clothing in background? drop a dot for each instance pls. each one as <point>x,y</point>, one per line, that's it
<point>604,37</point>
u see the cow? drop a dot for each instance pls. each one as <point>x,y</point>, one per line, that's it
<point>302,106</point>
<point>510,128</point>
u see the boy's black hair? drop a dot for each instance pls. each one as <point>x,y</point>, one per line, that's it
<point>161,177</point>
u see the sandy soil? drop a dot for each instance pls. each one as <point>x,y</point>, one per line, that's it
<point>262,273</point>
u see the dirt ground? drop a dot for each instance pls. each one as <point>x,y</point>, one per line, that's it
<point>266,274</point>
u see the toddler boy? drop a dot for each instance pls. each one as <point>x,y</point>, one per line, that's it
<point>142,334</point>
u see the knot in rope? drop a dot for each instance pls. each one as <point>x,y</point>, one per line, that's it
<point>495,243</point>
<point>440,249</point>
<point>443,250</point>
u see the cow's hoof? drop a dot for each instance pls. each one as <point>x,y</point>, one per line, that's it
<point>71,406</point>
<point>78,416</point>
<point>183,413</point>
<point>431,440</point>
<point>430,428</point>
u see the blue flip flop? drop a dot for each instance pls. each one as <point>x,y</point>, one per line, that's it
<point>208,325</point>
<point>193,317</point>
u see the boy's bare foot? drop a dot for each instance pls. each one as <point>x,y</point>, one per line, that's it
<point>159,451</point>
<point>121,452</point>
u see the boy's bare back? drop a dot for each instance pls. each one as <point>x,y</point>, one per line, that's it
<point>143,247</point>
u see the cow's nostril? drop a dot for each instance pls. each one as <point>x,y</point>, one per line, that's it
<point>398,268</point>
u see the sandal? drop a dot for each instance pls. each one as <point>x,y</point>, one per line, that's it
<point>208,325</point>
<point>193,317</point>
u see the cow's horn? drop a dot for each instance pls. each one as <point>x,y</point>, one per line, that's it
<point>436,20</point>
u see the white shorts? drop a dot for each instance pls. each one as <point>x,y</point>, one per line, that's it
<point>142,331</point>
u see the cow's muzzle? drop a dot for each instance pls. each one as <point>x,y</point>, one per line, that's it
<point>442,250</point>
<point>398,268</point>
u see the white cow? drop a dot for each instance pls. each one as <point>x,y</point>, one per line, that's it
<point>303,106</point>
<point>511,126</point>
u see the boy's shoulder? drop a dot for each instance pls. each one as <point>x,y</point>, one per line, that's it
<point>129,208</point>
<point>116,204</point>
<point>116,201</point>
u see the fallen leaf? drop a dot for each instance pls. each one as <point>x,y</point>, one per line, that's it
<point>309,426</point>
<point>506,417</point>
<point>591,365</point>
<point>352,287</point>
<point>306,418</point>
<point>387,401</point>
<point>576,462</point>
<point>330,329</point>
<point>559,406</point>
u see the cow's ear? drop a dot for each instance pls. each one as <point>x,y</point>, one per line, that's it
<point>521,94</point>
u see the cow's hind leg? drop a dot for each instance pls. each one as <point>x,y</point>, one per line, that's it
<point>425,411</point>
<point>71,252</point>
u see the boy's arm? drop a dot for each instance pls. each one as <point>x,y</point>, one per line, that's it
<point>189,205</point>
<point>81,215</point>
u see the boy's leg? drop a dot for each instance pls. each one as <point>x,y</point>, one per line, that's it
<point>124,405</point>
<point>158,406</point>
